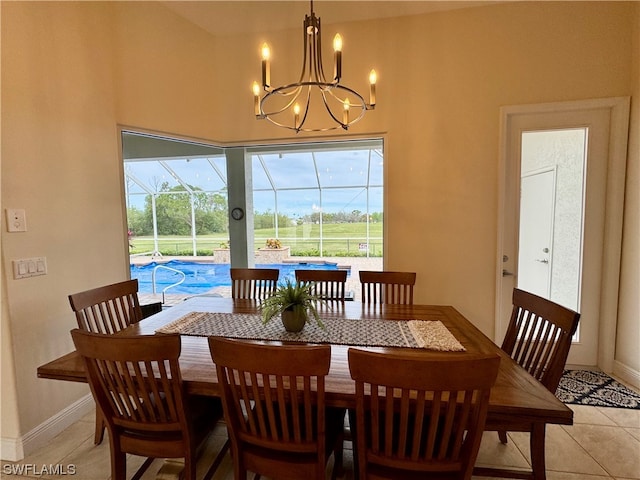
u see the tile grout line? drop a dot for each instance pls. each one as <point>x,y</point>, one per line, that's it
<point>565,428</point>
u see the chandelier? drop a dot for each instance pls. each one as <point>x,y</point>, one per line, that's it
<point>288,106</point>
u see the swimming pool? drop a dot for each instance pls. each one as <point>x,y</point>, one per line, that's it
<point>202,277</point>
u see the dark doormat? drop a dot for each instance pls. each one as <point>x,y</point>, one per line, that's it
<point>584,387</point>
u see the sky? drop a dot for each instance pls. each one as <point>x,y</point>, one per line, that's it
<point>296,177</point>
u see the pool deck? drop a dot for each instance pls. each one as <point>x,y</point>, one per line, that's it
<point>354,264</point>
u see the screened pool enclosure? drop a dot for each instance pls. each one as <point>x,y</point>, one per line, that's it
<point>318,199</point>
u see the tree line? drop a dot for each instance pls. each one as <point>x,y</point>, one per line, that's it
<point>174,217</point>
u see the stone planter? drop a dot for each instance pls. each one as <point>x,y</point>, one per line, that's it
<point>263,255</point>
<point>221,255</point>
<point>272,255</point>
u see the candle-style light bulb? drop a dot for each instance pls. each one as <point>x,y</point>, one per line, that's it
<point>266,65</point>
<point>345,112</point>
<point>337,61</point>
<point>373,78</point>
<point>337,43</point>
<point>256,98</point>
<point>296,115</point>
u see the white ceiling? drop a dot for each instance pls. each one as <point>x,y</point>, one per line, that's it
<point>232,17</point>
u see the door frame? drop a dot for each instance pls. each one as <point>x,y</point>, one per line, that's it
<point>618,108</point>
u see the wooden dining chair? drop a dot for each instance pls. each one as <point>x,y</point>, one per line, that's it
<point>421,416</point>
<point>253,283</point>
<point>137,383</point>
<point>109,309</point>
<point>327,284</point>
<point>274,406</point>
<point>387,287</point>
<point>538,338</point>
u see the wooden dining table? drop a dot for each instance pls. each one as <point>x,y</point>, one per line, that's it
<point>517,398</point>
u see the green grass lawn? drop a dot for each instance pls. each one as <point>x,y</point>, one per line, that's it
<point>339,240</point>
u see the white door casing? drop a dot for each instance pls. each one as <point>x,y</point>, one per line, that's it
<point>607,123</point>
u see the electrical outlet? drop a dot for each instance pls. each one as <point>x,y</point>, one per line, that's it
<point>16,220</point>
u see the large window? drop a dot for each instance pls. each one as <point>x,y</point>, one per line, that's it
<point>176,195</point>
<point>319,199</point>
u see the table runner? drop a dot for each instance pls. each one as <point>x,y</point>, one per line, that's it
<point>432,335</point>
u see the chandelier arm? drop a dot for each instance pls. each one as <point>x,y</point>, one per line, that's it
<point>319,65</point>
<point>324,88</point>
<point>310,42</point>
<point>306,110</point>
<point>286,107</point>
<point>317,43</point>
<point>325,129</point>
<point>304,84</point>
<point>362,112</point>
<point>361,104</point>
<point>303,72</point>
<point>328,108</point>
<point>281,91</point>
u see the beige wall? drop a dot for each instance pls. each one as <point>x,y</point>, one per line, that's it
<point>71,72</point>
<point>166,72</point>
<point>628,338</point>
<point>59,163</point>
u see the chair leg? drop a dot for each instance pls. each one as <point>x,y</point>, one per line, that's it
<point>189,472</point>
<point>239,472</point>
<point>353,437</point>
<point>100,427</point>
<point>502,435</point>
<point>537,443</point>
<point>118,462</point>
<point>338,457</point>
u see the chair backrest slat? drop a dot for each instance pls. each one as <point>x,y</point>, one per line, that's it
<point>107,309</point>
<point>135,380</point>
<point>136,383</point>
<point>327,284</point>
<point>273,396</point>
<point>420,414</point>
<point>253,283</point>
<point>387,287</point>
<point>539,336</point>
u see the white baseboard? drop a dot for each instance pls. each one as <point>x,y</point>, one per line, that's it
<point>11,449</point>
<point>626,374</point>
<point>15,449</point>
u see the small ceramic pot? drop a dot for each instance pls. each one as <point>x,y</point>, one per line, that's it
<point>294,318</point>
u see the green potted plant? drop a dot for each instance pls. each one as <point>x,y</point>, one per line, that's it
<point>293,302</point>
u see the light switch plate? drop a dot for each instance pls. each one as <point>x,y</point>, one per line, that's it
<point>29,267</point>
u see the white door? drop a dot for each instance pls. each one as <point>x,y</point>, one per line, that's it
<point>535,259</point>
<point>604,125</point>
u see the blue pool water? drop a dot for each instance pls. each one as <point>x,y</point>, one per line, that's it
<point>202,277</point>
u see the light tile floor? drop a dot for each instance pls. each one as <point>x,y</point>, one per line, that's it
<point>603,443</point>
